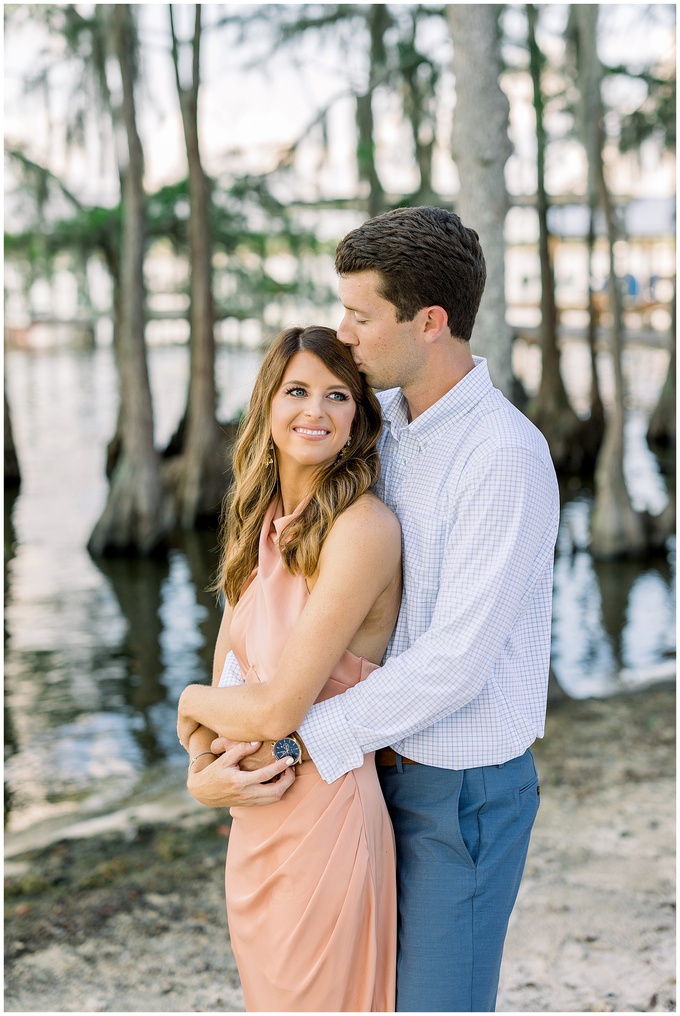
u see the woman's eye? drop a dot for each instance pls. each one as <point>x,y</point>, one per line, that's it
<point>338,396</point>
<point>297,392</point>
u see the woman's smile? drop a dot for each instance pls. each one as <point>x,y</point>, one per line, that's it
<point>309,432</point>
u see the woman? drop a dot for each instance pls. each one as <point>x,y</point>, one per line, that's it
<point>312,575</point>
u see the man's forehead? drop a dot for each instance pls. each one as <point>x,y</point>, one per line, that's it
<point>359,288</point>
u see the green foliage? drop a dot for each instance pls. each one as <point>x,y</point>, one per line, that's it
<point>89,232</point>
<point>248,224</point>
<point>394,59</point>
<point>168,214</point>
<point>655,117</point>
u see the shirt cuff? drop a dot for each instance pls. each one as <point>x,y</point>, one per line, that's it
<point>231,672</point>
<point>329,741</point>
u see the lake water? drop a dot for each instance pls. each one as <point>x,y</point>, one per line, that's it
<point>97,653</point>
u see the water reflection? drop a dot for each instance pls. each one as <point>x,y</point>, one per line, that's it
<point>137,586</point>
<point>97,654</point>
<point>613,622</point>
<point>10,546</point>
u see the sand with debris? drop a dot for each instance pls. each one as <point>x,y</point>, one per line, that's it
<point>126,913</point>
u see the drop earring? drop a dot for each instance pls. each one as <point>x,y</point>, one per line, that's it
<point>343,450</point>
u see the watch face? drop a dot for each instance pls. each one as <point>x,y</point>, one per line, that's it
<point>287,746</point>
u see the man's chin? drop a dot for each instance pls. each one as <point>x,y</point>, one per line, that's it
<point>375,383</point>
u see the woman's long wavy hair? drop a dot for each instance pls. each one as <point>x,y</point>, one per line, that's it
<point>256,480</point>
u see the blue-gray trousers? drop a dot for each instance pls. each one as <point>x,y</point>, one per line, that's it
<point>462,840</point>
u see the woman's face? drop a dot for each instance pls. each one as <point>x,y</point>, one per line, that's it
<point>311,414</point>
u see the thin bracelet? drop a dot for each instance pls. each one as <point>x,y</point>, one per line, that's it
<point>199,755</point>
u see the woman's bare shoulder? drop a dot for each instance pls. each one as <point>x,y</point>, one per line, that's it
<point>369,518</point>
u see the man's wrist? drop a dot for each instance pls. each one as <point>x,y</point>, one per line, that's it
<point>264,756</point>
<point>305,757</point>
<point>278,747</point>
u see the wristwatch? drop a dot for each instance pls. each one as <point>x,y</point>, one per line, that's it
<point>287,746</point>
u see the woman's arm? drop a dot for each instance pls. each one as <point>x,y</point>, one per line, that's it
<point>199,749</point>
<point>222,645</point>
<point>200,739</point>
<point>358,562</point>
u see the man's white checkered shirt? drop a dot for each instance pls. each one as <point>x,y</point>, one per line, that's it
<point>464,679</point>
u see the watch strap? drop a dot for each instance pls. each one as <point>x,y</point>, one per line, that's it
<point>306,757</point>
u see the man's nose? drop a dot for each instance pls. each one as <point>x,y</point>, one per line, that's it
<point>345,331</point>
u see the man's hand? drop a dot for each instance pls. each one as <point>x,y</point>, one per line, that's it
<point>222,784</point>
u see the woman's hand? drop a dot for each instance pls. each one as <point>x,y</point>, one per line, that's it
<point>224,784</point>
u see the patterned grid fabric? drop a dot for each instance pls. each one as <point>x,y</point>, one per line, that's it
<point>464,678</point>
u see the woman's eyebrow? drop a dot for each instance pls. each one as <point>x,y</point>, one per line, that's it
<point>305,384</point>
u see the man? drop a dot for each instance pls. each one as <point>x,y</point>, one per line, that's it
<point>462,691</point>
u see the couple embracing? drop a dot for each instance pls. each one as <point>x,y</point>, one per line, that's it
<point>381,667</point>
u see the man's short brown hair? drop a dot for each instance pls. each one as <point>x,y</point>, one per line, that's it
<point>425,257</point>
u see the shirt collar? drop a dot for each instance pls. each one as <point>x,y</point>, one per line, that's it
<point>455,404</point>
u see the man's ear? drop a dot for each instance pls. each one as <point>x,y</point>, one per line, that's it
<point>435,323</point>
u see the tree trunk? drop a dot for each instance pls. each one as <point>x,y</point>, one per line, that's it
<point>481,148</point>
<point>661,436</point>
<point>199,475</point>
<point>378,20</point>
<point>419,102</point>
<point>115,446</point>
<point>662,422</point>
<point>592,431</point>
<point>616,529</point>
<point>138,515</point>
<point>12,471</point>
<point>595,432</point>
<point>550,410</point>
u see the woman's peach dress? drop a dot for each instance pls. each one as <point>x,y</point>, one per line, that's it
<point>310,880</point>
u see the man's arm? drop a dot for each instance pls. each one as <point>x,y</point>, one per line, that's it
<point>503,539</point>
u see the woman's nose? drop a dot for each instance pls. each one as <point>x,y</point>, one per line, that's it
<point>315,407</point>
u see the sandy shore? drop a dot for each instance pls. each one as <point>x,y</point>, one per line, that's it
<point>126,914</point>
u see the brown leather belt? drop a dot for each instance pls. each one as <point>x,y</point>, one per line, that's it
<point>388,757</point>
